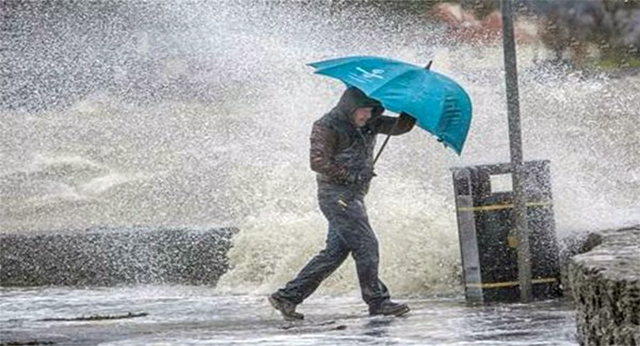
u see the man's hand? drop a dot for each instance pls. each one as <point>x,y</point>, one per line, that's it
<point>407,115</point>
<point>362,176</point>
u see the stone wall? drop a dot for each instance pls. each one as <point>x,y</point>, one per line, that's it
<point>605,283</point>
<point>111,256</point>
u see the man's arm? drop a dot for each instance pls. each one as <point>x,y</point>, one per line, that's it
<point>324,143</point>
<point>385,124</point>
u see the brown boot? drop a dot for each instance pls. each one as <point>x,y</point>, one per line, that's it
<point>387,308</point>
<point>287,309</point>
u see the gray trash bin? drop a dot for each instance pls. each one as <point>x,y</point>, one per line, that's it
<point>488,242</point>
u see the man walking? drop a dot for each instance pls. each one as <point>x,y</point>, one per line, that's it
<point>342,146</point>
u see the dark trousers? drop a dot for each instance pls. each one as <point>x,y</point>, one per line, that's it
<point>349,233</point>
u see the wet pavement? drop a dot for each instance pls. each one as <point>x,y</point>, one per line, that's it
<point>184,315</point>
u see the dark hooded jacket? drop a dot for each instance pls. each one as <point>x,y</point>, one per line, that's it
<point>340,148</point>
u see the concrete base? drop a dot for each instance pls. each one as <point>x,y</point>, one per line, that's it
<point>605,283</point>
<point>112,256</point>
<point>571,246</point>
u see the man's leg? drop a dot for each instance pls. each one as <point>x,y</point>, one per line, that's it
<point>318,269</point>
<point>310,277</point>
<point>357,232</point>
<point>359,235</point>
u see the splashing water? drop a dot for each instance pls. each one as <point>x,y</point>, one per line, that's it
<point>198,114</point>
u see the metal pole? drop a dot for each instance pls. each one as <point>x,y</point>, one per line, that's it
<point>515,144</point>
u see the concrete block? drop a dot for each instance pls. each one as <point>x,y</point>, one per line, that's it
<point>113,256</point>
<point>605,284</point>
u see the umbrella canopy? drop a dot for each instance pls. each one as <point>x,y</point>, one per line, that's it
<point>438,103</point>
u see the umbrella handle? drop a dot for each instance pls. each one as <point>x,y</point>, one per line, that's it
<point>393,128</point>
<point>381,148</point>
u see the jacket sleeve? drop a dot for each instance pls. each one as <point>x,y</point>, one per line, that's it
<point>324,143</point>
<point>385,124</point>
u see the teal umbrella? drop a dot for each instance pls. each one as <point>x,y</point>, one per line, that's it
<point>438,103</point>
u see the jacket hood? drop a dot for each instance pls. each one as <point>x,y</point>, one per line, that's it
<point>352,99</point>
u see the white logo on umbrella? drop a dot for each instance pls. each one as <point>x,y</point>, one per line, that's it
<point>375,73</point>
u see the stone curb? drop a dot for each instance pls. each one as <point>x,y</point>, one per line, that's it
<point>605,283</point>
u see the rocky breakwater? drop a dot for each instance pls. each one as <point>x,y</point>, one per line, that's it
<point>605,284</point>
<point>112,256</point>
